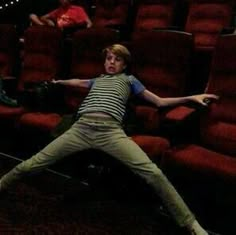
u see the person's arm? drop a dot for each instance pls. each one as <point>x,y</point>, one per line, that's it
<point>172,101</point>
<point>35,19</point>
<point>75,82</point>
<point>46,19</point>
<point>88,22</point>
<point>51,17</point>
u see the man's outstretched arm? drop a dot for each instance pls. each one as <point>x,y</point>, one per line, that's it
<point>172,101</point>
<point>75,82</point>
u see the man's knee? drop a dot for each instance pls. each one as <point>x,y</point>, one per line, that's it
<point>24,167</point>
<point>155,171</point>
<point>34,163</point>
<point>151,172</point>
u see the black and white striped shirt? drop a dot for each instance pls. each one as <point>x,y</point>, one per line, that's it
<point>109,94</point>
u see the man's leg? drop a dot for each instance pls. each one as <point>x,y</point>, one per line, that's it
<point>127,151</point>
<point>66,144</point>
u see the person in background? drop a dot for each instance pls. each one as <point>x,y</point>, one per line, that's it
<point>99,126</point>
<point>65,16</point>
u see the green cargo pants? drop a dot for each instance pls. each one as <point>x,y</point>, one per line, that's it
<point>107,135</point>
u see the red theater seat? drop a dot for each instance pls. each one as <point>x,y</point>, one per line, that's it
<point>8,50</point>
<point>41,62</point>
<point>41,56</point>
<point>206,19</point>
<point>9,59</point>
<point>162,59</point>
<point>112,14</point>
<point>86,62</point>
<point>163,67</point>
<point>212,155</point>
<point>151,14</point>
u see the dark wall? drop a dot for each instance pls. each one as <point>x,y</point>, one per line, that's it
<point>19,12</point>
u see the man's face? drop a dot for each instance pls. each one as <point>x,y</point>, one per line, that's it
<point>114,64</point>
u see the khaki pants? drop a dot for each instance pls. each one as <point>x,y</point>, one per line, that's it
<point>107,135</point>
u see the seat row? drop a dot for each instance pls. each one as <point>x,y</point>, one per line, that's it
<point>161,65</point>
<point>185,139</point>
<point>205,19</point>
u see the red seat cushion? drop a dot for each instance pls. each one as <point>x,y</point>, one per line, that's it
<point>11,112</point>
<point>41,121</point>
<point>200,159</point>
<point>154,146</point>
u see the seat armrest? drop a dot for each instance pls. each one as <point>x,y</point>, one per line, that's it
<point>182,121</point>
<point>179,113</point>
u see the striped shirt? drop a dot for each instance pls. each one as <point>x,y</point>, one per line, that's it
<point>109,94</point>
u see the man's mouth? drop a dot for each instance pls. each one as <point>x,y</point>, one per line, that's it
<point>111,68</point>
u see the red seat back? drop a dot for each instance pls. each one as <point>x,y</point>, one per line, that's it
<point>42,55</point>
<point>8,49</point>
<point>206,19</point>
<point>111,13</point>
<point>86,60</point>
<point>151,14</point>
<point>218,129</point>
<point>161,60</point>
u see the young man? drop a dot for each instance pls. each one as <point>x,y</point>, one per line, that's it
<point>67,15</point>
<point>100,127</point>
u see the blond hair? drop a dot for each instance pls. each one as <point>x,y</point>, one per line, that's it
<point>120,51</point>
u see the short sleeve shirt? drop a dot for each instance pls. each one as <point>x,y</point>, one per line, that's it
<point>73,15</point>
<point>109,94</point>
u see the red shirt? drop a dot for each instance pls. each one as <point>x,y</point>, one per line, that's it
<point>73,15</point>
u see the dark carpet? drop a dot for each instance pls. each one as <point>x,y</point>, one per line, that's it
<point>52,204</point>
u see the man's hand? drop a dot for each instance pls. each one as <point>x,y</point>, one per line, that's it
<point>204,99</point>
<point>50,23</point>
